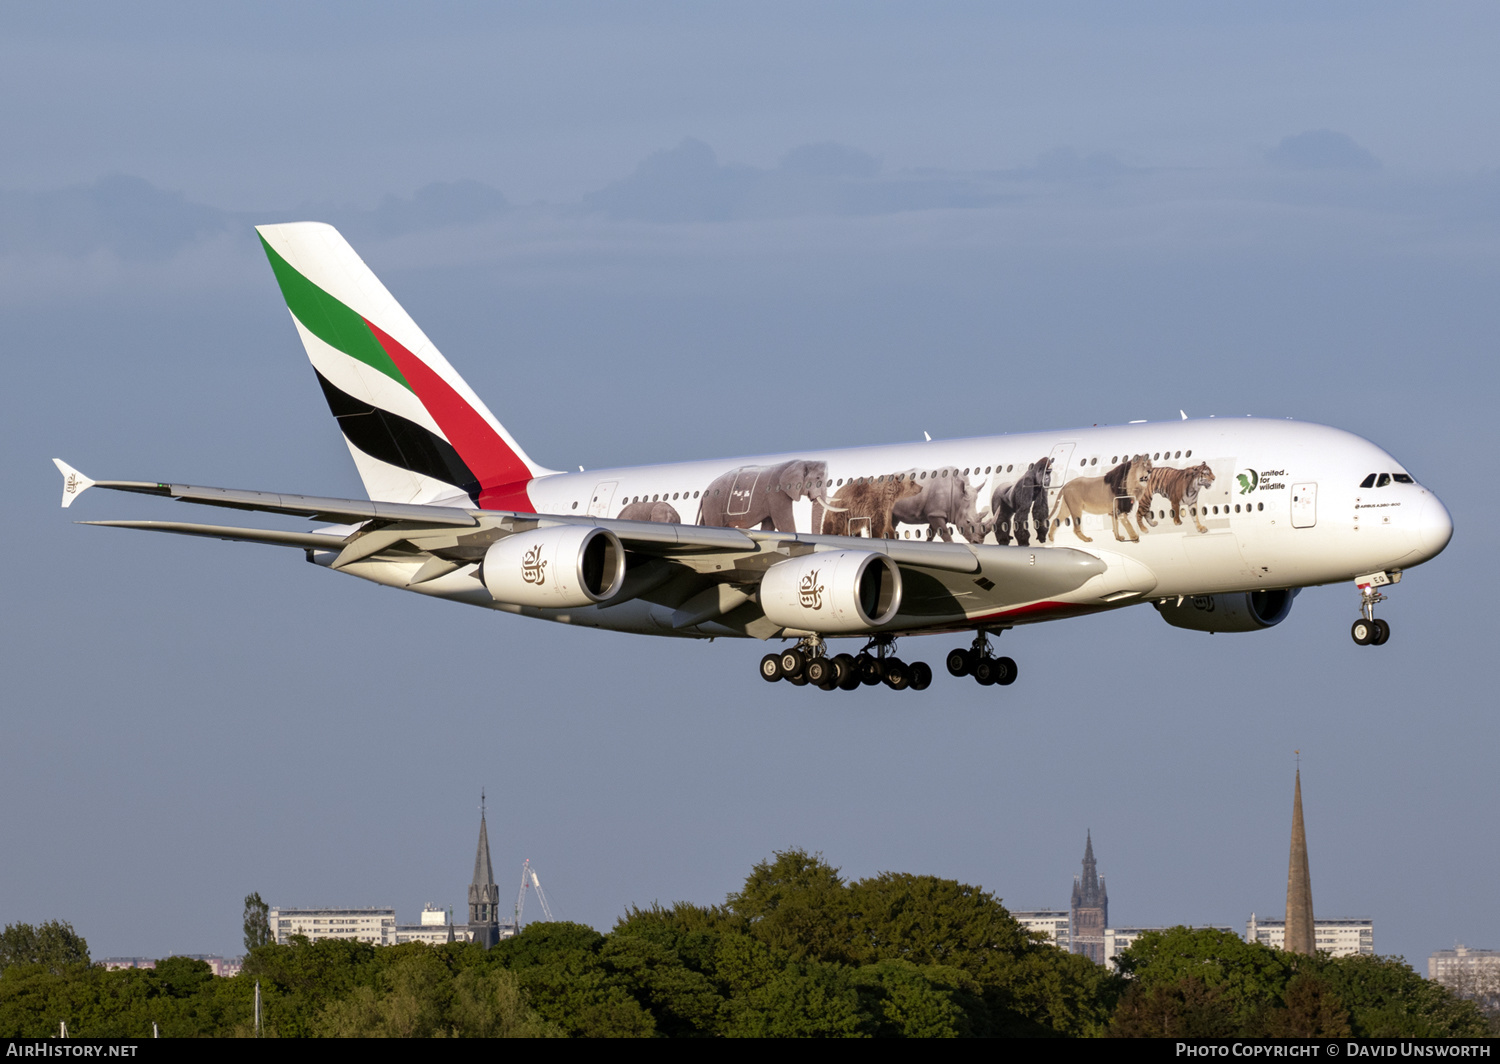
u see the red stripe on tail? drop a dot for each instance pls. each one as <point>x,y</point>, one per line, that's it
<point>501,474</point>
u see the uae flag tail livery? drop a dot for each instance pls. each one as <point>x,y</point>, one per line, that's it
<point>417,431</point>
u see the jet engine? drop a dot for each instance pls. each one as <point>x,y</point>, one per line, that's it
<point>832,591</point>
<point>575,565</point>
<point>1242,611</point>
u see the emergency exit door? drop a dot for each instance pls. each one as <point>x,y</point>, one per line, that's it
<point>1304,505</point>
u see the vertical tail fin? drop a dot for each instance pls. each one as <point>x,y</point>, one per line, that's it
<point>417,432</point>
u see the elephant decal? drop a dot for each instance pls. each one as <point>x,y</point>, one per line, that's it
<point>762,496</point>
<point>662,513</point>
<point>945,498</point>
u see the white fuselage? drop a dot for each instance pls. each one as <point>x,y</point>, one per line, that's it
<point>1285,509</point>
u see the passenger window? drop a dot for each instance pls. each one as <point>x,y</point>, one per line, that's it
<point>1385,478</point>
<point>1187,454</point>
<point>1260,506</point>
<point>1093,461</point>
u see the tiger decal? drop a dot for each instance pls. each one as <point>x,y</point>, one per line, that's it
<point>1181,487</point>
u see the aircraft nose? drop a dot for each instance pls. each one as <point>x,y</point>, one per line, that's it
<point>1434,526</point>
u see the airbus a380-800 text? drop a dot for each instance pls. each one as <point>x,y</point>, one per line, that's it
<point>1216,522</point>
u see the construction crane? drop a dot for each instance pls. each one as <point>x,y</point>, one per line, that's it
<point>529,880</point>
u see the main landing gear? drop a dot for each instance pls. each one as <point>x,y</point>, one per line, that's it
<point>979,662</point>
<point>808,663</point>
<point>1369,630</point>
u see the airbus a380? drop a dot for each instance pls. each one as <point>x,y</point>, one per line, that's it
<point>1216,522</point>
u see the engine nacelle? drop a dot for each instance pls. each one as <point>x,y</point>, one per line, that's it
<point>832,591</point>
<point>574,565</point>
<point>1242,611</point>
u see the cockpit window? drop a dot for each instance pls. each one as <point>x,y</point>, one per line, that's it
<point>1368,482</point>
<point>1385,478</point>
<point>1402,478</point>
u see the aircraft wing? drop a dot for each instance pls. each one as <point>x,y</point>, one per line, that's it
<point>681,563</point>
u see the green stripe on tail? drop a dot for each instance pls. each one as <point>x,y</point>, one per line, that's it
<point>329,320</point>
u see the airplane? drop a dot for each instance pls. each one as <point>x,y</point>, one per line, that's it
<point>1216,522</point>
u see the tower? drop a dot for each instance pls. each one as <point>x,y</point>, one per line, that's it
<point>484,895</point>
<point>1299,906</point>
<point>1090,908</point>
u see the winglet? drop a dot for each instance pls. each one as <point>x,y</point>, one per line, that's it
<point>74,482</point>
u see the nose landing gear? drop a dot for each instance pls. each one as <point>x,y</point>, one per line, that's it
<point>979,662</point>
<point>1369,630</point>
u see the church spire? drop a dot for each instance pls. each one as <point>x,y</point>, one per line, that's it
<point>484,895</point>
<point>1089,910</point>
<point>1299,906</point>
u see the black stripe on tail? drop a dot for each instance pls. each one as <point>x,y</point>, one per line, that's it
<point>397,441</point>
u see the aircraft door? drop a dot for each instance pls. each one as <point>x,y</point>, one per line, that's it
<point>1304,505</point>
<point>1062,459</point>
<point>742,494</point>
<point>604,494</point>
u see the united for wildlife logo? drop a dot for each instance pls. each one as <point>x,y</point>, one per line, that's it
<point>533,569</point>
<point>1248,481</point>
<point>812,591</point>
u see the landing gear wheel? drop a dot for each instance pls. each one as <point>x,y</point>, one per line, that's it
<point>848,672</point>
<point>871,669</point>
<point>1382,632</point>
<point>770,668</point>
<point>1005,671</point>
<point>897,677</point>
<point>985,672</point>
<point>797,681</point>
<point>792,663</point>
<point>1364,632</point>
<point>957,662</point>
<point>818,671</point>
<point>921,675</point>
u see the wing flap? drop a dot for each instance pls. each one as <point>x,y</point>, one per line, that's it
<point>313,540</point>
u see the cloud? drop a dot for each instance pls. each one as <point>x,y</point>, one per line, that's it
<point>1065,164</point>
<point>1321,149</point>
<point>137,221</point>
<point>828,160</point>
<point>126,215</point>
<point>437,206</point>
<point>681,184</point>
<point>689,184</point>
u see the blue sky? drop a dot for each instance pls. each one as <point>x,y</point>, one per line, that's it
<point>962,219</point>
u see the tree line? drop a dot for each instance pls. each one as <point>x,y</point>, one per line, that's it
<point>798,951</point>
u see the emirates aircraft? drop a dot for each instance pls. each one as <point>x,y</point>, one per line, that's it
<point>1216,522</point>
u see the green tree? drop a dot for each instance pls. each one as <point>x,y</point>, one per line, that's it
<point>796,902</point>
<point>1386,998</point>
<point>1310,1009</point>
<point>1184,1008</point>
<point>1245,977</point>
<point>54,944</point>
<point>257,922</point>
